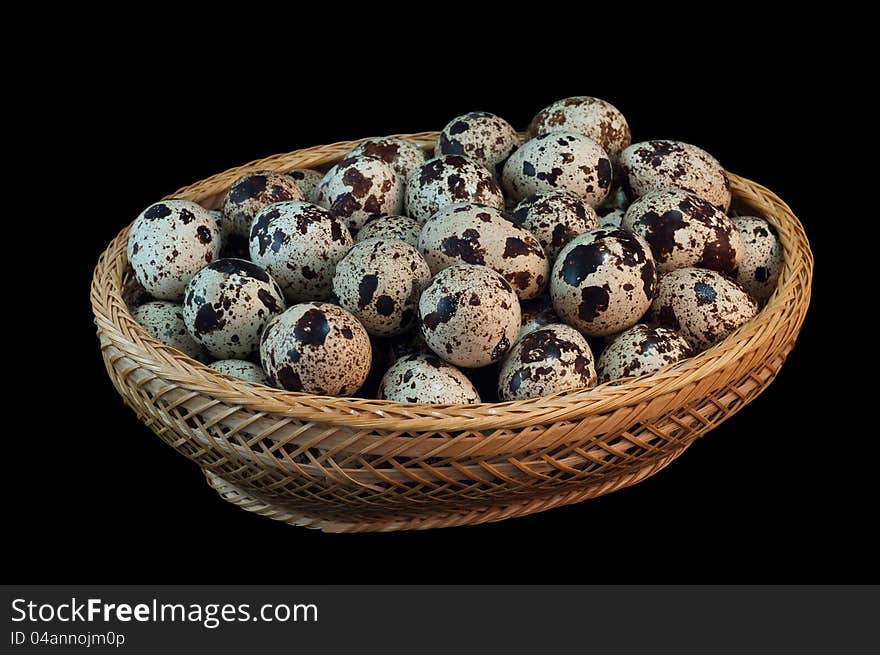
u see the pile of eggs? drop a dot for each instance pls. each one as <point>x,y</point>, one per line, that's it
<point>496,269</point>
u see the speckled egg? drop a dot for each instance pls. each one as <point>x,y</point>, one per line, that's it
<point>307,180</point>
<point>243,369</point>
<point>761,260</point>
<point>227,306</point>
<point>555,218</point>
<point>250,193</point>
<point>169,242</point>
<point>613,218</point>
<point>640,350</point>
<point>471,233</point>
<point>704,306</point>
<point>684,230</point>
<point>380,281</point>
<point>446,180</point>
<point>316,348</point>
<point>403,155</point>
<point>299,244</point>
<point>603,281</point>
<point>597,119</point>
<point>536,313</point>
<point>482,136</point>
<point>657,165</point>
<point>427,379</point>
<point>545,361</point>
<point>392,227</point>
<point>359,189</point>
<point>559,160</point>
<point>163,321</point>
<point>470,315</point>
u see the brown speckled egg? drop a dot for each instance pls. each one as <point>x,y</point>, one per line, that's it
<point>684,230</point>
<point>380,281</point>
<point>446,180</point>
<point>704,306</point>
<point>597,119</point>
<point>536,313</point>
<point>403,155</point>
<point>555,218</point>
<point>657,165</point>
<point>169,242</point>
<point>227,306</point>
<point>307,180</point>
<point>559,160</point>
<point>392,227</point>
<point>359,189</point>
<point>603,281</point>
<point>250,193</point>
<point>761,260</point>
<point>612,219</point>
<point>427,379</point>
<point>482,136</point>
<point>640,350</point>
<point>545,361</point>
<point>241,368</point>
<point>469,315</point>
<point>163,321</point>
<point>478,234</point>
<point>316,348</point>
<point>299,244</point>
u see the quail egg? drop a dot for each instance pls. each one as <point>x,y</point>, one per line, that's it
<point>359,189</point>
<point>545,361</point>
<point>761,260</point>
<point>603,281</point>
<point>613,218</point>
<point>227,305</point>
<point>307,180</point>
<point>470,315</point>
<point>449,179</point>
<point>316,348</point>
<point>169,242</point>
<point>555,218</point>
<point>482,136</point>
<point>640,350</point>
<point>392,227</point>
<point>403,155</point>
<point>250,193</point>
<point>559,160</point>
<point>299,244</point>
<point>380,281</point>
<point>703,305</point>
<point>163,321</point>
<point>595,118</point>
<point>426,379</point>
<point>478,234</point>
<point>241,368</point>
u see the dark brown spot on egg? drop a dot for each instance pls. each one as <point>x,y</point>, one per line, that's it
<point>208,320</point>
<point>594,301</point>
<point>366,288</point>
<point>582,261</point>
<point>518,279</point>
<point>204,234</point>
<point>385,305</point>
<point>467,247</point>
<point>241,267</point>
<point>312,328</point>
<point>360,184</point>
<point>516,247</point>
<point>446,307</point>
<point>289,379</point>
<point>705,294</point>
<point>762,274</point>
<point>345,205</point>
<point>604,173</point>
<point>500,348</point>
<point>248,187</point>
<point>159,210</point>
<point>268,301</point>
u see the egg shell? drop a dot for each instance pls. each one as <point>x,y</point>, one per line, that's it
<point>168,243</point>
<point>702,305</point>
<point>536,313</point>
<point>316,348</point>
<point>392,227</point>
<point>613,219</point>
<point>684,230</point>
<point>555,218</point>
<point>359,189</point>
<point>242,369</point>
<point>299,244</point>
<point>469,315</point>
<point>594,118</point>
<point>307,180</point>
<point>471,233</point>
<point>484,137</point>
<point>227,306</point>
<point>446,180</point>
<point>559,160</point>
<point>640,350</point>
<point>658,165</point>
<point>403,155</point>
<point>761,260</point>
<point>603,281</point>
<point>163,321</point>
<point>426,379</point>
<point>545,361</point>
<point>250,193</point>
<point>380,281</point>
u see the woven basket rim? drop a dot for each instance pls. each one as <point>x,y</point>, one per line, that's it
<point>788,303</point>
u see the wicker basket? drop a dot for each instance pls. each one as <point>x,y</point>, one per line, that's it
<point>348,464</point>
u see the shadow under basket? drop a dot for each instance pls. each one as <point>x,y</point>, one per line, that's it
<point>351,464</point>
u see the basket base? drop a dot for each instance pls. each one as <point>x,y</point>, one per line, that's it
<point>440,518</point>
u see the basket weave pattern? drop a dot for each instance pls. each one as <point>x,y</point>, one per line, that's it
<point>347,464</point>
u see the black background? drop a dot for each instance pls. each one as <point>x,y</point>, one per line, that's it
<point>773,495</point>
